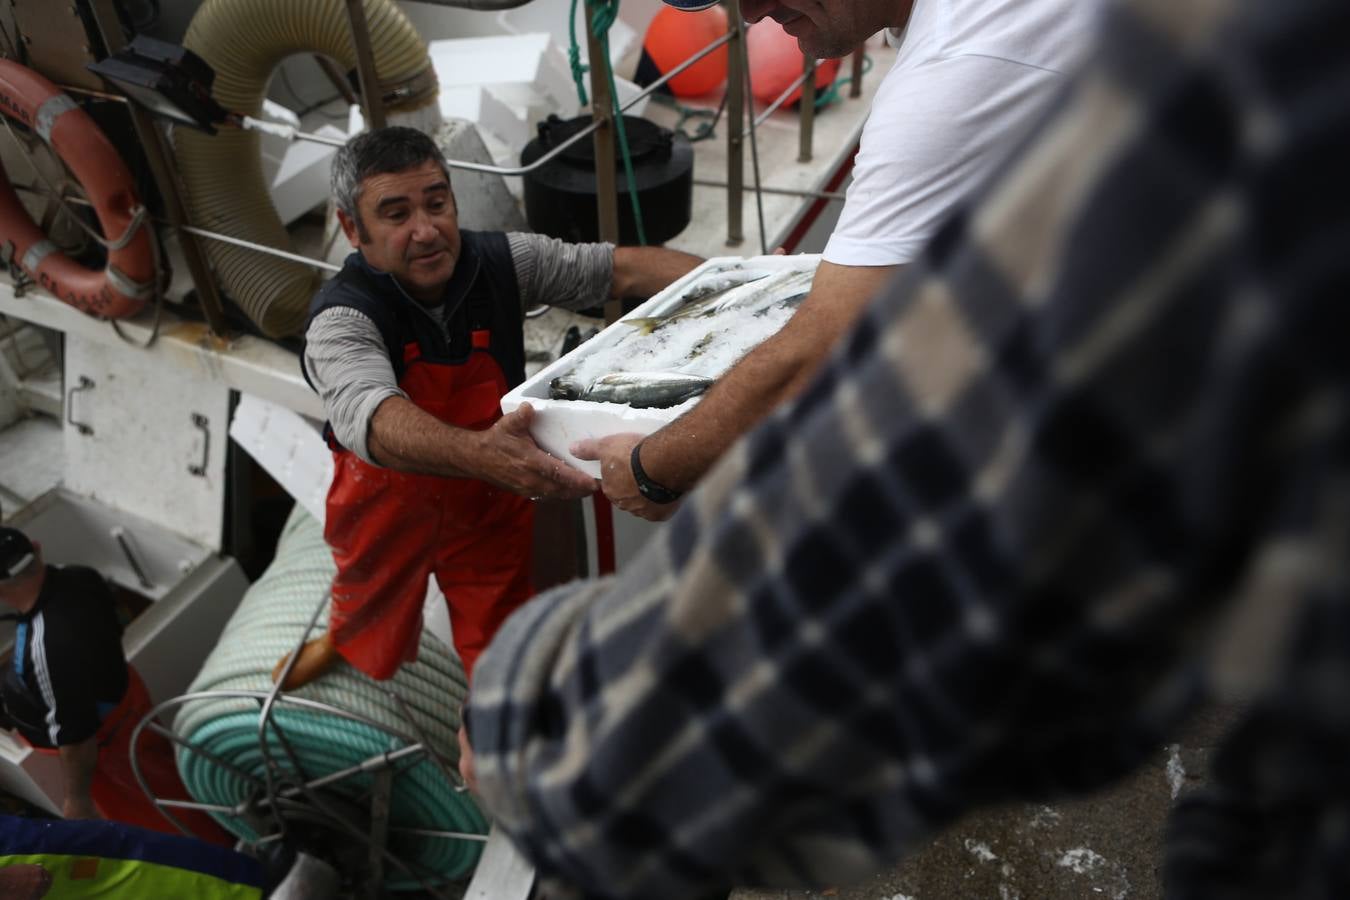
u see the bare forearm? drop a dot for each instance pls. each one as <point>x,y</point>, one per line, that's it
<point>644,271</point>
<point>772,373</point>
<point>78,762</point>
<point>402,436</point>
<point>678,455</point>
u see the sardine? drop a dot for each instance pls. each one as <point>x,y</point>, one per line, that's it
<point>646,390</point>
<point>703,306</point>
<point>720,282</point>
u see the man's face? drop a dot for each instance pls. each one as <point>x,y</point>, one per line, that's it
<point>410,228</point>
<point>829,28</point>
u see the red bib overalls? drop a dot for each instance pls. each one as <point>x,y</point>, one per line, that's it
<point>389,530</point>
<point>115,790</point>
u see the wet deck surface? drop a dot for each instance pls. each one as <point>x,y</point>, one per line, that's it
<point>1106,845</point>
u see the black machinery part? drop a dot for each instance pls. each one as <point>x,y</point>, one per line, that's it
<point>560,195</point>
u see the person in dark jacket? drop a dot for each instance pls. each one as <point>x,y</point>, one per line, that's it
<point>69,690</point>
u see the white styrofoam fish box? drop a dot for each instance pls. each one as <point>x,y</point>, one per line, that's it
<point>551,16</point>
<point>301,181</point>
<point>493,117</point>
<point>706,342</point>
<point>273,146</point>
<point>528,72</point>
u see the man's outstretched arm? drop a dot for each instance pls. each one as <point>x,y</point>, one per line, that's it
<point>645,271</point>
<point>403,436</point>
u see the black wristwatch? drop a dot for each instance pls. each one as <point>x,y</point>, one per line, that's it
<point>654,492</point>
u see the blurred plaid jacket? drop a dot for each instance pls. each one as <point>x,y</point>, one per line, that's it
<point>1087,460</point>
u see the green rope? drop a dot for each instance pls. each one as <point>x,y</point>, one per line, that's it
<point>270,619</point>
<point>606,11</point>
<point>833,93</point>
<point>705,129</point>
<point>574,56</point>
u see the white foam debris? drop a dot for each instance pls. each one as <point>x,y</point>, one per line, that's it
<point>1045,817</point>
<point>703,344</point>
<point>1109,878</point>
<point>900,897</point>
<point>980,850</point>
<point>1176,770</point>
<point>1082,860</point>
<point>1008,892</point>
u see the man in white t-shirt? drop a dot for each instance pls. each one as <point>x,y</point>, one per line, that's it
<point>971,78</point>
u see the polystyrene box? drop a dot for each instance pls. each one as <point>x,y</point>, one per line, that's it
<point>560,423</point>
<point>525,71</point>
<point>551,16</point>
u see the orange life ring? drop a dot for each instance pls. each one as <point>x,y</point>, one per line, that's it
<point>122,287</point>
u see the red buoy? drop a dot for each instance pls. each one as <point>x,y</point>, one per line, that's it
<point>776,62</point>
<point>674,36</point>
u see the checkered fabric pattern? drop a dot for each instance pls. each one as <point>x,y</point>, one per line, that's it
<point>1088,460</point>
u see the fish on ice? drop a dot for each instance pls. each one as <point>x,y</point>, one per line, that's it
<point>640,390</point>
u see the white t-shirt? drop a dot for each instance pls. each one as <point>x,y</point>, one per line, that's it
<point>970,80</point>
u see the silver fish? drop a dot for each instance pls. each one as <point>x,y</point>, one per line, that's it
<point>646,390</point>
<point>720,282</point>
<point>702,299</point>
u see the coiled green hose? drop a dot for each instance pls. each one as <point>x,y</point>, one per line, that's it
<point>274,613</point>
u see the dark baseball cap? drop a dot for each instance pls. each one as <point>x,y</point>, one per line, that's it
<point>16,553</point>
<point>691,5</point>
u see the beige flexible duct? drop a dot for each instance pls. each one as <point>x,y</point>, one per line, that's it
<point>244,41</point>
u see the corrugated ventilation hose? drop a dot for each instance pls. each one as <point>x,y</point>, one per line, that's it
<point>244,41</point>
<point>269,622</point>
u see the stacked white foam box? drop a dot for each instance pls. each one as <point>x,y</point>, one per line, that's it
<point>302,180</point>
<point>295,170</point>
<point>550,16</point>
<point>502,128</point>
<point>272,145</point>
<point>558,424</point>
<point>527,72</point>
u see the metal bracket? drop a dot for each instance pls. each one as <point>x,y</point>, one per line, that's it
<point>381,791</point>
<point>119,534</point>
<point>205,425</point>
<point>86,383</point>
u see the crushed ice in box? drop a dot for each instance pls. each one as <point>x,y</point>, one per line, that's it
<point>716,328</point>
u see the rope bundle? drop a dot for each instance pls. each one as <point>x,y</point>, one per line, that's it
<point>269,623</point>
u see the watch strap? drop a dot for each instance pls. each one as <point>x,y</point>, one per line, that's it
<point>654,492</point>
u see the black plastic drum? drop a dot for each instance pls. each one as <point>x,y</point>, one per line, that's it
<point>560,195</point>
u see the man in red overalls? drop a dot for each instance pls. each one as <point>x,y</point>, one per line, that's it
<point>411,346</point>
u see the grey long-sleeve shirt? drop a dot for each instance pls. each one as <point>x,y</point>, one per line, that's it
<point>350,368</point>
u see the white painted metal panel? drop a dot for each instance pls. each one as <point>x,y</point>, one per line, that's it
<point>288,446</point>
<point>245,362</point>
<point>147,437</point>
<point>169,641</point>
<point>125,548</point>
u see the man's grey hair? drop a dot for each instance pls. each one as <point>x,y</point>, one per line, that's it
<point>390,149</point>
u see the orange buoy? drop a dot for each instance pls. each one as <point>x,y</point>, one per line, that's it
<point>776,62</point>
<point>120,288</point>
<point>674,36</point>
